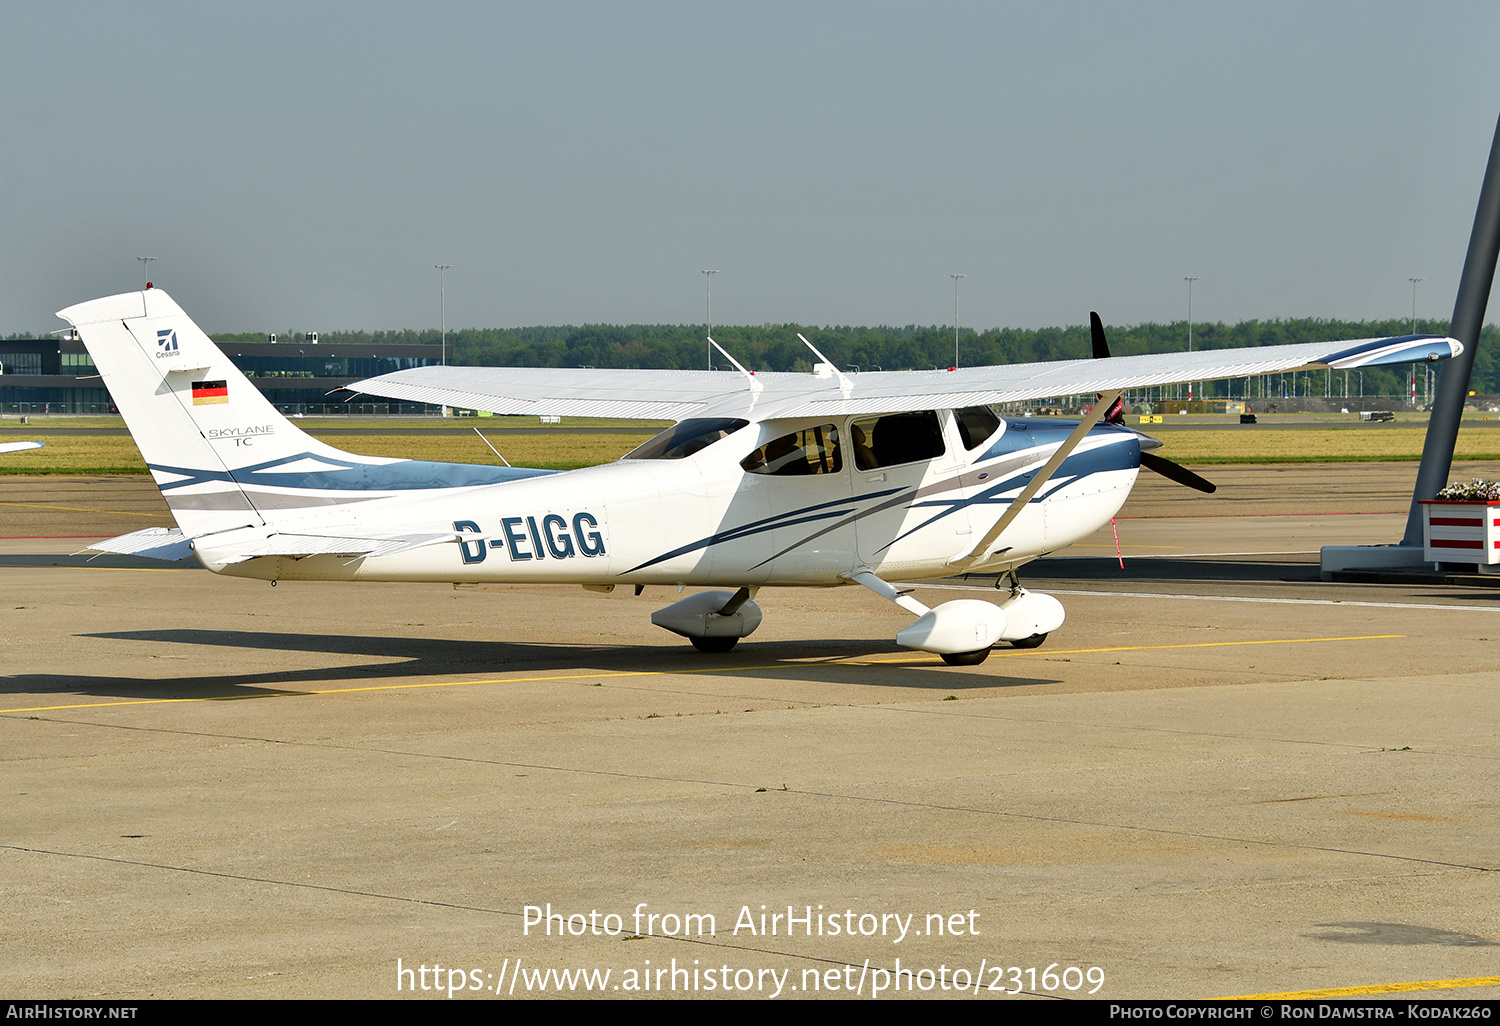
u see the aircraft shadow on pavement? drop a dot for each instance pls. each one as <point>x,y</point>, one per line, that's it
<point>1487,595</point>
<point>95,561</point>
<point>405,658</point>
<point>1056,571</point>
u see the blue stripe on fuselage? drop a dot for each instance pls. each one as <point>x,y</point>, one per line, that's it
<point>1020,435</point>
<point>1123,454</point>
<point>803,515</point>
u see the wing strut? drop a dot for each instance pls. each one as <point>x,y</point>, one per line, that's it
<point>486,441</point>
<point>1105,402</point>
<point>887,591</point>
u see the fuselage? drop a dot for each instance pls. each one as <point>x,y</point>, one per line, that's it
<point>702,518</point>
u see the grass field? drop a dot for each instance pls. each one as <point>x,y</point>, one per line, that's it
<point>117,454</point>
<point>1314,443</point>
<point>551,452</point>
<point>317,425</point>
<point>1374,444</point>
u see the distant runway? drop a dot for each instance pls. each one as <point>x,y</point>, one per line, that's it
<point>1222,776</point>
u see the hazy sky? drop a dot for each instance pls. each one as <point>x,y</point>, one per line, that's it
<point>305,165</point>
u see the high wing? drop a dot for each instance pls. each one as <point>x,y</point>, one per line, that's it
<point>680,394</point>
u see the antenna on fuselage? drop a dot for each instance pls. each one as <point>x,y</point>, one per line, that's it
<point>755,386</point>
<point>844,382</point>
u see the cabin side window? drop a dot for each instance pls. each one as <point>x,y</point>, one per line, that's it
<point>686,438</point>
<point>896,438</point>
<point>975,425</point>
<point>813,450</point>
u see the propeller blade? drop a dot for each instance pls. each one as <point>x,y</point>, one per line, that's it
<point>1096,331</point>
<point>1176,472</point>
<point>1116,413</point>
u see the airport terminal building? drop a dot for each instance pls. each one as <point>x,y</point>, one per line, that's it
<point>295,373</point>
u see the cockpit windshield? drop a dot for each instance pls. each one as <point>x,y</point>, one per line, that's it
<point>686,438</point>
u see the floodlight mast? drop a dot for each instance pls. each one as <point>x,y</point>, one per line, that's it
<point>443,308</point>
<point>1426,372</point>
<point>1190,279</point>
<point>145,268</point>
<point>955,278</point>
<point>708,310</point>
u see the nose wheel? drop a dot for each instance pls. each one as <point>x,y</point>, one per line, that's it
<point>714,644</point>
<point>966,658</point>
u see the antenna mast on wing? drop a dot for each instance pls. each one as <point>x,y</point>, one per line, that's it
<point>755,386</point>
<point>844,383</point>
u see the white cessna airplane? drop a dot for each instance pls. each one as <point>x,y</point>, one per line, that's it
<point>765,479</point>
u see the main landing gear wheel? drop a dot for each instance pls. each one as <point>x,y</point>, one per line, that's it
<point>1035,641</point>
<point>713,644</point>
<point>966,658</point>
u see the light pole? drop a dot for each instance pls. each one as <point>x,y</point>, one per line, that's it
<point>955,278</point>
<point>708,310</point>
<point>443,308</point>
<point>1190,279</point>
<point>1425,371</point>
<point>146,269</point>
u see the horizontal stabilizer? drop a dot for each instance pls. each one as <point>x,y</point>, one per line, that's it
<point>153,543</point>
<point>298,545</point>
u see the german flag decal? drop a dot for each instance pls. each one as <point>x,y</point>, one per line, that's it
<point>210,393</point>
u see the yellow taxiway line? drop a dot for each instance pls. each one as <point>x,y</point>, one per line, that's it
<point>80,509</point>
<point>1373,989</point>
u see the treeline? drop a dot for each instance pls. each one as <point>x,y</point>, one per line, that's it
<point>776,347</point>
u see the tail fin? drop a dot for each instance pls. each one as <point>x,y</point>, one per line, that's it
<point>221,454</point>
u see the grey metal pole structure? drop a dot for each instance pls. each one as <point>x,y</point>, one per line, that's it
<point>1468,318</point>
<point>1414,302</point>
<point>955,278</point>
<point>708,310</point>
<point>443,308</point>
<point>145,269</point>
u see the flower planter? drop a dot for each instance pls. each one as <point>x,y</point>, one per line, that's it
<point>1461,531</point>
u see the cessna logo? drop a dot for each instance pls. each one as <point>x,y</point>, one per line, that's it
<point>524,538</point>
<point>166,343</point>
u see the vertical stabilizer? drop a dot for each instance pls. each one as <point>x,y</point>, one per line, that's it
<point>207,434</point>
